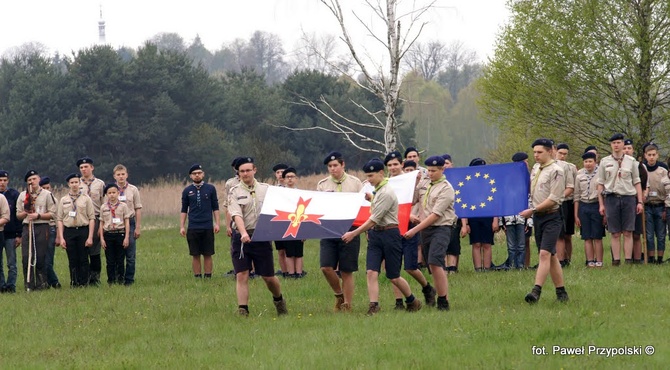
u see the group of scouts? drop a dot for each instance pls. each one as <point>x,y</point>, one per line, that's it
<point>90,218</point>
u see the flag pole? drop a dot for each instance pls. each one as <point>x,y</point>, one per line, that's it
<point>30,253</point>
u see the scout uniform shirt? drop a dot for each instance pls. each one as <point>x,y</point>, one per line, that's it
<point>546,181</point>
<point>4,211</point>
<point>586,186</point>
<point>348,184</point>
<point>75,210</point>
<point>384,205</point>
<point>130,195</point>
<point>113,216</point>
<point>659,186</point>
<point>436,197</point>
<point>619,179</point>
<point>569,173</point>
<point>43,202</point>
<point>94,188</point>
<point>246,202</point>
<point>232,182</point>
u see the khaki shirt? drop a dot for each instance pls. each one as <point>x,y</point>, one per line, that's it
<point>570,173</point>
<point>620,181</point>
<point>82,206</point>
<point>547,183</point>
<point>659,186</point>
<point>130,195</point>
<point>44,203</point>
<point>96,190</point>
<point>350,184</point>
<point>586,186</point>
<point>384,207</point>
<point>232,182</point>
<point>440,200</point>
<point>4,210</point>
<point>121,213</point>
<point>241,202</point>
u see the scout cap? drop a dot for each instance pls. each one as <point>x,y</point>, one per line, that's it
<point>435,160</point>
<point>373,165</point>
<point>331,157</point>
<point>193,168</point>
<point>391,156</point>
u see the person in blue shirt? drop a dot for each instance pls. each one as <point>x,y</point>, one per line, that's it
<point>201,204</point>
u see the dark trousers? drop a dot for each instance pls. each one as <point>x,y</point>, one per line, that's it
<point>77,254</point>
<point>115,254</point>
<point>38,263</point>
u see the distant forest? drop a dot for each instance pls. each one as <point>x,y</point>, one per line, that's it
<point>165,105</point>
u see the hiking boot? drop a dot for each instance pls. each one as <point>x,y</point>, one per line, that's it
<point>443,306</point>
<point>414,306</point>
<point>345,307</point>
<point>243,312</point>
<point>533,296</point>
<point>339,301</point>
<point>429,296</point>
<point>399,306</point>
<point>616,262</point>
<point>281,307</point>
<point>373,309</point>
<point>562,296</point>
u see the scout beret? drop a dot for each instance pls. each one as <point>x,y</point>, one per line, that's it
<point>544,142</point>
<point>234,162</point>
<point>409,164</point>
<point>562,146</point>
<point>111,185</point>
<point>45,180</point>
<point>393,155</point>
<point>650,145</point>
<point>243,160</point>
<point>519,156</point>
<point>589,155</point>
<point>409,150</point>
<point>331,157</point>
<point>287,171</point>
<point>28,174</point>
<point>446,157</point>
<point>627,142</point>
<point>4,173</point>
<point>618,136</point>
<point>71,176</point>
<point>373,165</point>
<point>83,160</point>
<point>477,162</point>
<point>590,147</point>
<point>195,167</point>
<point>435,160</point>
<point>279,166</point>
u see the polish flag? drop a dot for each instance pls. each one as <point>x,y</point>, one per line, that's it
<point>403,185</point>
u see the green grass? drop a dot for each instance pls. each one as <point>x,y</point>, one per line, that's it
<point>170,320</point>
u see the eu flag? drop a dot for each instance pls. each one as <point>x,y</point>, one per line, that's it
<point>491,190</point>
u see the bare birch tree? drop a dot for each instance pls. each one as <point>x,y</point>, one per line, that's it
<point>401,31</point>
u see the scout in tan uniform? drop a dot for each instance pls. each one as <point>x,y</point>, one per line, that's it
<point>95,189</point>
<point>35,207</point>
<point>52,278</point>
<point>654,206</point>
<point>437,219</point>
<point>547,188</point>
<point>384,239</point>
<point>230,183</point>
<point>618,192</point>
<point>278,170</point>
<point>76,222</point>
<point>114,233</point>
<point>244,204</point>
<point>586,212</point>
<point>639,230</point>
<point>294,248</point>
<point>4,218</point>
<point>130,195</point>
<point>334,253</point>
<point>564,247</point>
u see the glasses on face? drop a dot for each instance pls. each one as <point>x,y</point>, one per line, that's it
<point>197,173</point>
<point>290,177</point>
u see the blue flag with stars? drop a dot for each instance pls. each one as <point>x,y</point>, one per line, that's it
<point>491,190</point>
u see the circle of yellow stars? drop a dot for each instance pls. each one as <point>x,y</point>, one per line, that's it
<point>491,181</point>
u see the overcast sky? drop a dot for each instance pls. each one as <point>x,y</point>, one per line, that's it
<point>68,25</point>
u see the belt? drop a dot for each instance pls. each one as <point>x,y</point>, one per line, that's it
<point>546,213</point>
<point>617,195</point>
<point>387,227</point>
<point>75,227</point>
<point>438,226</point>
<point>655,204</point>
<point>591,202</point>
<point>115,232</point>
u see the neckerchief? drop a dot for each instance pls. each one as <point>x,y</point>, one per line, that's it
<point>74,200</point>
<point>88,184</point>
<point>252,191</point>
<point>197,193</point>
<point>651,168</point>
<point>425,198</point>
<point>379,186</point>
<point>537,177</point>
<point>122,190</point>
<point>589,177</point>
<point>339,182</point>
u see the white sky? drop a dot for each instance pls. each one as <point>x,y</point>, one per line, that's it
<point>68,25</point>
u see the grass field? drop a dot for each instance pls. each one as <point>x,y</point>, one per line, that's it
<point>169,320</point>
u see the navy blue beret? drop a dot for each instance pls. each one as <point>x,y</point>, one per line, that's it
<point>71,176</point>
<point>519,156</point>
<point>243,160</point>
<point>410,149</point>
<point>45,180</point>
<point>544,142</point>
<point>193,168</point>
<point>331,157</point>
<point>393,155</point>
<point>563,146</point>
<point>406,164</point>
<point>435,160</point>
<point>279,166</point>
<point>373,165</point>
<point>589,155</point>
<point>83,160</point>
<point>28,174</point>
<point>617,136</point>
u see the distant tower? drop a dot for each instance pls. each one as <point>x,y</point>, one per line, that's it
<point>101,29</point>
